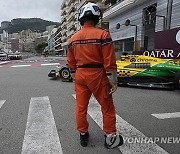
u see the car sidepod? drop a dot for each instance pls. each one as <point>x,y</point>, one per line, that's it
<point>145,71</point>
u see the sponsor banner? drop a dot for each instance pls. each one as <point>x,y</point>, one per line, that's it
<point>167,39</point>
<point>161,53</point>
<point>167,45</point>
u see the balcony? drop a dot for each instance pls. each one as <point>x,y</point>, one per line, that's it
<point>71,8</point>
<point>57,45</point>
<point>64,25</point>
<point>70,25</point>
<point>58,35</point>
<point>67,10</point>
<point>120,7</point>
<point>70,33</point>
<point>62,32</point>
<point>102,6</point>
<point>58,49</point>
<point>63,19</point>
<point>64,44</point>
<point>58,40</point>
<point>69,2</point>
<point>98,2</point>
<point>71,16</point>
<point>58,30</point>
<point>85,1</point>
<point>63,38</point>
<point>63,12</point>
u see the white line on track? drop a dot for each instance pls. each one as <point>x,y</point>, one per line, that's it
<point>14,66</point>
<point>2,102</point>
<point>5,62</point>
<point>50,64</point>
<point>41,135</point>
<point>127,131</point>
<point>167,115</point>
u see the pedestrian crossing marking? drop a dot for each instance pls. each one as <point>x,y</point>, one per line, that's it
<point>167,115</point>
<point>41,134</point>
<point>2,102</point>
<point>127,131</point>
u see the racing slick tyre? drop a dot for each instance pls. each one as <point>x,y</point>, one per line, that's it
<point>177,80</point>
<point>65,74</point>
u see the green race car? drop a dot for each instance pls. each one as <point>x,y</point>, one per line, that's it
<point>146,71</point>
<point>61,72</point>
<point>138,70</point>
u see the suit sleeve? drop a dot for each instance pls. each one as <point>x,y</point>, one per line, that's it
<point>108,52</point>
<point>70,58</point>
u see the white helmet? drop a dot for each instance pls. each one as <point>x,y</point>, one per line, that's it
<point>90,9</point>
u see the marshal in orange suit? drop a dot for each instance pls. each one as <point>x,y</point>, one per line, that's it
<point>90,55</point>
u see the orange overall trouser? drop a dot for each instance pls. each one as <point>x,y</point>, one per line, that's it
<point>94,81</point>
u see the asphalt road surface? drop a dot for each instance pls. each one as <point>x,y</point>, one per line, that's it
<point>37,114</point>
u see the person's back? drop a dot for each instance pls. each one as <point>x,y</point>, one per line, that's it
<point>90,55</point>
<point>93,45</point>
<point>86,41</point>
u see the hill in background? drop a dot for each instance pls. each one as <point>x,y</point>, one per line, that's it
<point>34,24</point>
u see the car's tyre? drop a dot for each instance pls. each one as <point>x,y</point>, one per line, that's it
<point>65,74</point>
<point>177,80</point>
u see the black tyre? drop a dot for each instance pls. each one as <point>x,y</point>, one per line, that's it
<point>65,74</point>
<point>177,80</point>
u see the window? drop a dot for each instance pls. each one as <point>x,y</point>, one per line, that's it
<point>124,45</point>
<point>149,15</point>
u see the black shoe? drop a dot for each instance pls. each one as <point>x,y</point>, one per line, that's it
<point>113,140</point>
<point>84,139</point>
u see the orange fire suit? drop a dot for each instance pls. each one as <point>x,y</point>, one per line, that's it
<point>88,50</point>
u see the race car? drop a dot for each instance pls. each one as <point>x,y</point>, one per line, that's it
<point>61,72</point>
<point>146,71</point>
<point>138,70</point>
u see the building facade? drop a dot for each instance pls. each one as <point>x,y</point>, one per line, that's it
<point>70,23</point>
<point>57,37</point>
<point>51,41</point>
<point>133,24</point>
<point>14,45</point>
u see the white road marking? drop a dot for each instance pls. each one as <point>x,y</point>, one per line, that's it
<point>2,102</point>
<point>127,131</point>
<point>50,64</point>
<point>14,66</point>
<point>41,135</point>
<point>167,115</point>
<point>5,62</point>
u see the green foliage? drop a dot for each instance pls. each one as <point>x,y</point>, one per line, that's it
<point>34,24</point>
<point>40,47</point>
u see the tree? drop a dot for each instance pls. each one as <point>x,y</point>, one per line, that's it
<point>40,47</point>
